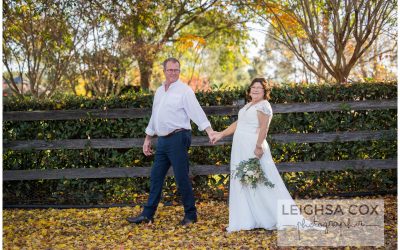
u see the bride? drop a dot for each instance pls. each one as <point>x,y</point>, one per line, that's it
<point>255,208</point>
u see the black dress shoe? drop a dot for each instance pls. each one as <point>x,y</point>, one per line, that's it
<point>139,219</point>
<point>187,221</point>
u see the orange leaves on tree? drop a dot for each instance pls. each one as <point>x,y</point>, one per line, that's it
<point>283,18</point>
<point>190,41</point>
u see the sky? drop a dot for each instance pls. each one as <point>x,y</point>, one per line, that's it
<point>258,36</point>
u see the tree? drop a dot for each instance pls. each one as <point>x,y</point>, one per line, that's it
<point>379,63</point>
<point>103,72</point>
<point>38,43</point>
<point>275,61</point>
<point>216,58</point>
<point>338,33</point>
<point>101,62</point>
<point>145,27</point>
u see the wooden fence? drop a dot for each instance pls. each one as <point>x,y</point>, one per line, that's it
<point>116,172</point>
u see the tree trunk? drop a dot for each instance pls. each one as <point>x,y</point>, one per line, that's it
<point>341,77</point>
<point>146,70</point>
<point>376,74</point>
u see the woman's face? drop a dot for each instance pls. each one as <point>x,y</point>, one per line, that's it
<point>256,92</point>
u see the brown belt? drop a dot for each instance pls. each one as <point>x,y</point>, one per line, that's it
<point>176,131</point>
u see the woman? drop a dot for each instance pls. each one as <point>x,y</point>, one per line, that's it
<point>255,208</point>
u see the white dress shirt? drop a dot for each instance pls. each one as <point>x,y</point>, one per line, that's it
<point>173,109</point>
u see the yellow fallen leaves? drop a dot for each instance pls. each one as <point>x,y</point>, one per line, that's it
<point>108,229</point>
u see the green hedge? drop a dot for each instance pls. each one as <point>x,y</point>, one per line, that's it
<point>84,191</point>
<point>284,93</point>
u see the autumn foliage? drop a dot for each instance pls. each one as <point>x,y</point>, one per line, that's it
<point>108,229</point>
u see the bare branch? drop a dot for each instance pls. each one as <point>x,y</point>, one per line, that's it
<point>355,25</point>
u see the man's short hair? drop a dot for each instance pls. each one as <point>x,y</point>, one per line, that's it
<point>171,59</point>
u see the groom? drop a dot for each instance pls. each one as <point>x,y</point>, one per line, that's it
<point>174,105</point>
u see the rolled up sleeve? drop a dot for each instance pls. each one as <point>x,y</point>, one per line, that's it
<point>150,128</point>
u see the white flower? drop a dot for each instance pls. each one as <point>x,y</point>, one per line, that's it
<point>250,173</point>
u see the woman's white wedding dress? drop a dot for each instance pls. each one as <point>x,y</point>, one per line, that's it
<point>255,208</point>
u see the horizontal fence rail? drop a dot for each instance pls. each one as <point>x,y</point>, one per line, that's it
<point>210,110</point>
<point>198,140</point>
<point>118,172</point>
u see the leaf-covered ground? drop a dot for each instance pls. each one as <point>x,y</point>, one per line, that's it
<point>108,229</point>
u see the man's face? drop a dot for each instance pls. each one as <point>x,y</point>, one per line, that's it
<point>171,72</point>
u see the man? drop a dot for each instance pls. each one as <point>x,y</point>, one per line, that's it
<point>174,105</point>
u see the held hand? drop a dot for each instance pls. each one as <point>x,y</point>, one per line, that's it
<point>147,150</point>
<point>216,137</point>
<point>258,152</point>
<point>210,133</point>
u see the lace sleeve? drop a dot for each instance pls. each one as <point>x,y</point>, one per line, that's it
<point>264,107</point>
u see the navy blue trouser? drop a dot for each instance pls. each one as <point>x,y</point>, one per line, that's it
<point>171,150</point>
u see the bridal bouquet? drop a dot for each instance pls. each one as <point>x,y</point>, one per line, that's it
<point>250,174</point>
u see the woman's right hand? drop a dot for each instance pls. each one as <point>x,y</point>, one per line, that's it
<point>216,136</point>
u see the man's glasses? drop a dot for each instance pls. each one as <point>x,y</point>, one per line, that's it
<point>173,70</point>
